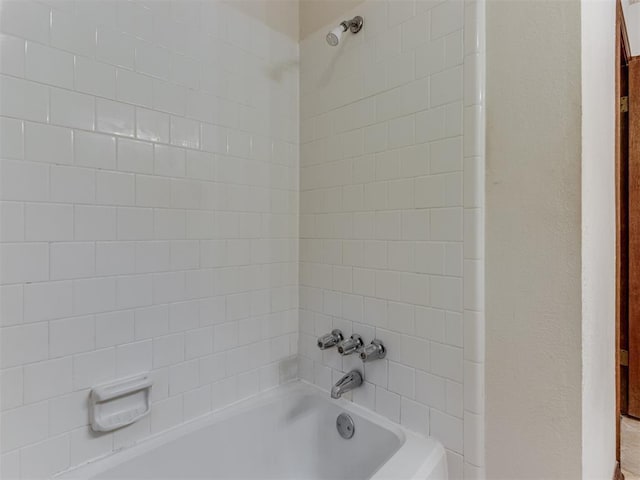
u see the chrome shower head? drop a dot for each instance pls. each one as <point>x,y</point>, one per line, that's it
<point>354,25</point>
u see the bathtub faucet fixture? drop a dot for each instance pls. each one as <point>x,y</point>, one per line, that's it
<point>374,351</point>
<point>330,339</point>
<point>350,345</point>
<point>347,383</point>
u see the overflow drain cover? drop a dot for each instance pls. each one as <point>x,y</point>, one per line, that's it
<point>345,425</point>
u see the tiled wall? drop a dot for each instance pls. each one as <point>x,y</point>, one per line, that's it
<point>149,187</point>
<point>391,169</point>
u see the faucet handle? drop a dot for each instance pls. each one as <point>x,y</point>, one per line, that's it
<point>330,339</point>
<point>353,343</point>
<point>374,351</point>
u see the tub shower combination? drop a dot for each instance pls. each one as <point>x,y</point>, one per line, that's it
<point>291,432</point>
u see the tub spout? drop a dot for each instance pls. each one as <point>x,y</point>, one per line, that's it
<point>350,381</point>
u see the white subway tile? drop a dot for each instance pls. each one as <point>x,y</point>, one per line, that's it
<point>85,445</point>
<point>48,222</point>
<point>134,88</point>
<point>71,109</point>
<point>46,458</point>
<point>24,180</point>
<point>152,60</point>
<point>24,344</point>
<point>23,426</point>
<point>71,335</point>
<point>152,126</point>
<point>401,379</point>
<point>47,301</point>
<point>72,260</point>
<point>168,350</point>
<point>447,429</point>
<point>94,223</point>
<point>414,416</point>
<point>431,390</point>
<point>45,380</point>
<point>11,136</point>
<point>24,262</point>
<point>183,377</point>
<point>49,65</point>
<point>46,143</point>
<point>446,18</point>
<point>446,224</point>
<point>166,414</point>
<point>94,295</point>
<point>95,78</point>
<point>93,368</point>
<point>388,404</point>
<point>12,55</point>
<point>71,32</point>
<point>135,291</point>
<point>11,305</point>
<point>26,19</point>
<point>446,86</point>
<point>72,185</point>
<point>151,322</point>
<point>185,71</point>
<point>115,117</point>
<point>113,188</point>
<point>115,258</point>
<point>22,99</point>
<point>11,388</point>
<point>94,150</point>
<point>429,58</point>
<point>68,412</point>
<point>11,221</point>
<point>454,399</point>
<point>135,223</point>
<point>446,361</point>
<point>135,156</point>
<point>134,358</point>
<point>115,48</point>
<point>185,132</point>
<point>168,97</point>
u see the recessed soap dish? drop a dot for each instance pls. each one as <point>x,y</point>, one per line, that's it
<point>119,403</point>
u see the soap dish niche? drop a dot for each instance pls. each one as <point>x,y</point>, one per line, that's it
<point>119,403</point>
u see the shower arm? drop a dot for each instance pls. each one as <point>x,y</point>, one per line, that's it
<point>355,24</point>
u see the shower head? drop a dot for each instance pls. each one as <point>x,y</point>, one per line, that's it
<point>333,37</point>
<point>355,25</point>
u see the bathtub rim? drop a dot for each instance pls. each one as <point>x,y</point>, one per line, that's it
<point>403,463</point>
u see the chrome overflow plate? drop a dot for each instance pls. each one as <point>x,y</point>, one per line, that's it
<point>345,425</point>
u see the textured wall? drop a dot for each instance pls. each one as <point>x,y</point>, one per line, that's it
<point>149,216</point>
<point>315,14</point>
<point>533,235</point>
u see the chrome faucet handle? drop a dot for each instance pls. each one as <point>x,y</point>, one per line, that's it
<point>347,347</point>
<point>330,339</point>
<point>374,351</point>
<point>348,382</point>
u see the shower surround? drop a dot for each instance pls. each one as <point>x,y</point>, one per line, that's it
<point>391,219</point>
<point>149,216</point>
<point>160,213</point>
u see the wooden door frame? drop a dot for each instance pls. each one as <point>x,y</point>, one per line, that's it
<point>622,55</point>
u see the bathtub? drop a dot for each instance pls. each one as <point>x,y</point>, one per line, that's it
<point>288,432</point>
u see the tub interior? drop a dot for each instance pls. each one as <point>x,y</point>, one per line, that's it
<point>295,437</point>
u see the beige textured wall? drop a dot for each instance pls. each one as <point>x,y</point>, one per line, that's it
<point>281,15</point>
<point>295,18</point>
<point>317,13</point>
<point>533,237</point>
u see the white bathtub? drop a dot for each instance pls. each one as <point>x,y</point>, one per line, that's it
<point>289,432</point>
